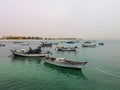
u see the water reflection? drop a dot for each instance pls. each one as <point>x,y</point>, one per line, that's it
<point>36,60</point>
<point>71,73</point>
<point>39,62</point>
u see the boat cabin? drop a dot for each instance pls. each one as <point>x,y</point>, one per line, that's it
<point>60,59</point>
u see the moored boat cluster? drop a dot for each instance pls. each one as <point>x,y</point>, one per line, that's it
<point>62,62</point>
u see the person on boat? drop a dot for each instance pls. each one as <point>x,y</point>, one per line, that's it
<point>39,47</point>
<point>30,51</point>
<point>37,50</point>
<point>76,47</point>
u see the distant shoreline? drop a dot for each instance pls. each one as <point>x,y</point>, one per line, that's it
<point>34,38</point>
<point>40,39</point>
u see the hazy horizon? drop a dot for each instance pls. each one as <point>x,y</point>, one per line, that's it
<point>88,19</point>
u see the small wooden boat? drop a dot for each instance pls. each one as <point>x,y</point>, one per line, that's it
<point>65,63</point>
<point>88,44</point>
<point>24,53</point>
<point>25,44</point>
<point>100,43</point>
<point>18,42</point>
<point>71,42</point>
<point>67,48</point>
<point>67,71</point>
<point>2,44</point>
<point>84,45</point>
<point>46,44</point>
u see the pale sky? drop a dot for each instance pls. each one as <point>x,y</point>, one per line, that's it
<point>87,19</point>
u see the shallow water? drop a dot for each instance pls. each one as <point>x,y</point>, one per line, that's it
<point>102,72</point>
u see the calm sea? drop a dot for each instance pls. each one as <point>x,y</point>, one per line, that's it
<point>102,72</point>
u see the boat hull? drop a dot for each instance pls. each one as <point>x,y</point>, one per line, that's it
<point>60,64</point>
<point>46,45</point>
<point>29,55</point>
<point>64,66</point>
<point>88,45</point>
<point>66,49</point>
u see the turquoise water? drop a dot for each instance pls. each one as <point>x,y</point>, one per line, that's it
<point>102,72</point>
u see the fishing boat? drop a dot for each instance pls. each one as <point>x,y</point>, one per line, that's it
<point>68,72</point>
<point>46,44</point>
<point>25,44</point>
<point>18,42</point>
<point>2,44</point>
<point>71,42</point>
<point>29,53</point>
<point>62,62</point>
<point>88,44</point>
<point>66,48</point>
<point>100,43</point>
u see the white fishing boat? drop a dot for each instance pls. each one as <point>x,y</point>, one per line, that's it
<point>25,44</point>
<point>67,48</point>
<point>89,44</point>
<point>25,53</point>
<point>65,63</point>
<point>45,44</point>
<point>18,42</point>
